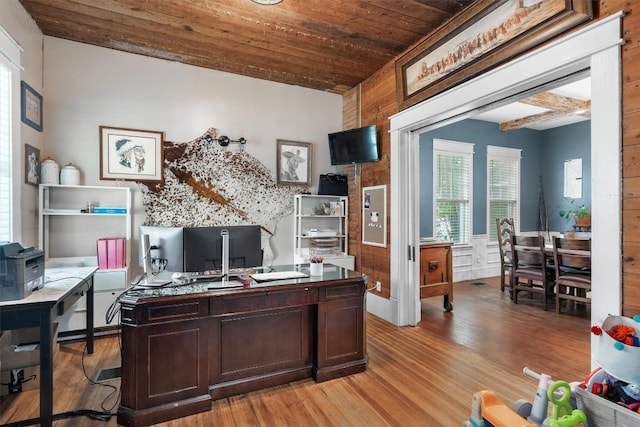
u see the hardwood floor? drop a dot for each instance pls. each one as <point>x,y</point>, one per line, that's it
<point>417,376</point>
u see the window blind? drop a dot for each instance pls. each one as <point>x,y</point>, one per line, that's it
<point>5,153</point>
<point>503,166</point>
<point>10,68</point>
<point>453,183</point>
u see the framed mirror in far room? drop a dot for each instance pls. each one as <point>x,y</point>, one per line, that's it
<point>573,178</point>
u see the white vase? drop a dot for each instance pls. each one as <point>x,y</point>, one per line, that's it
<point>70,175</point>
<point>49,172</point>
<point>315,269</point>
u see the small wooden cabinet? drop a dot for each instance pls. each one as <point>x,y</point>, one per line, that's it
<point>436,272</point>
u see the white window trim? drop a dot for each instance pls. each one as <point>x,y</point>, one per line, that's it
<point>455,148</point>
<point>495,152</point>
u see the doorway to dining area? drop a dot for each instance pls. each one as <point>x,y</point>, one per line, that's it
<point>595,48</point>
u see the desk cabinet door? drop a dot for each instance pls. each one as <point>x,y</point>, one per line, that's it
<point>340,338</point>
<point>169,363</point>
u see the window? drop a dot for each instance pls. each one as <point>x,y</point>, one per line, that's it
<point>452,181</point>
<point>503,186</point>
<point>9,65</point>
<point>5,153</point>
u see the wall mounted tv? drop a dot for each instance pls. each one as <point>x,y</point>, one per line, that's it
<point>354,146</point>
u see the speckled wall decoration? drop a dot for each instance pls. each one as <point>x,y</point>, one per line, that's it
<point>205,185</point>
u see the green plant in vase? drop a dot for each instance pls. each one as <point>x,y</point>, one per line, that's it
<point>579,213</point>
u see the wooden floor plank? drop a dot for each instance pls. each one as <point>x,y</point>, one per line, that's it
<point>417,376</point>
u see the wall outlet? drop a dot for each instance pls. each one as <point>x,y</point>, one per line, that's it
<point>17,378</point>
<point>378,286</point>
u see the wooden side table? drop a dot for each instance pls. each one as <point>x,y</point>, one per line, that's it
<point>436,272</point>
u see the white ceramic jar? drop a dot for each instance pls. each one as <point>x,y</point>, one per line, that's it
<point>70,175</point>
<point>49,172</point>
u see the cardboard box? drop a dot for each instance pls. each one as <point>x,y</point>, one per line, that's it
<point>20,348</point>
<point>30,380</point>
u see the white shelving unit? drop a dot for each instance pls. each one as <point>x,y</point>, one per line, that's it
<point>69,237</point>
<point>329,216</point>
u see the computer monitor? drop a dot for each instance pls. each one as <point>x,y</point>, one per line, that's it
<point>203,247</point>
<point>165,248</point>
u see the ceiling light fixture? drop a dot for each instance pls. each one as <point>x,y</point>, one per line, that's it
<point>267,2</point>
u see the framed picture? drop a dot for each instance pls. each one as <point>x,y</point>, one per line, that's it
<point>31,165</point>
<point>374,215</point>
<point>486,34</point>
<point>131,154</point>
<point>31,106</point>
<point>294,162</point>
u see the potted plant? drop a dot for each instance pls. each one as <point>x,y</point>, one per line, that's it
<point>580,213</point>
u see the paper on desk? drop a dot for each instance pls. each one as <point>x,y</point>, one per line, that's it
<point>278,275</point>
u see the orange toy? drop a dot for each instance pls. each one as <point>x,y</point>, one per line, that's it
<point>485,406</point>
<point>621,332</point>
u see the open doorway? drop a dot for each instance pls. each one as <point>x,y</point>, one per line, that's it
<point>530,143</point>
<point>596,47</point>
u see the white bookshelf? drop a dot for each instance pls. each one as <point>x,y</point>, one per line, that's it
<point>329,216</point>
<point>68,235</point>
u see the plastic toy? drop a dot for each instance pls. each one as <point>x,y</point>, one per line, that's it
<point>577,418</point>
<point>536,412</point>
<point>487,410</point>
<point>560,404</point>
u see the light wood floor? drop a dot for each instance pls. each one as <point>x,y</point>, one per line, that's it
<point>417,376</point>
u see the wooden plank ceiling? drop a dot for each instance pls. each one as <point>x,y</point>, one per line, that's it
<point>329,45</point>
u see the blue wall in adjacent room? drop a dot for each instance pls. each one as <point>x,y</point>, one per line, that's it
<point>543,155</point>
<point>560,144</point>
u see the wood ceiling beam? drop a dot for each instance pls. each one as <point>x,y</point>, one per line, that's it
<point>553,101</point>
<point>539,118</point>
<point>559,106</point>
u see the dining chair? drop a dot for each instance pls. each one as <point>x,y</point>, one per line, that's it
<point>572,260</point>
<point>506,230</point>
<point>530,272</point>
<point>577,234</point>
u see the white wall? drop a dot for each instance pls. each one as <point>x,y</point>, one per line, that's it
<point>15,20</point>
<point>87,86</point>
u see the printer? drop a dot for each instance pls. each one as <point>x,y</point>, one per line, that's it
<point>21,271</point>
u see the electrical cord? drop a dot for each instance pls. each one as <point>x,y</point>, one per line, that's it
<point>114,389</point>
<point>104,415</point>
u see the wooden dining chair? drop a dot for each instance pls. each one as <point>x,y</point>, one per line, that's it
<point>506,230</point>
<point>572,260</point>
<point>530,272</point>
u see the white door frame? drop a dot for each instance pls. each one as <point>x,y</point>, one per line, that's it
<point>595,47</point>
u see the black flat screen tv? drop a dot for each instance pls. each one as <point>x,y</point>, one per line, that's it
<point>354,146</point>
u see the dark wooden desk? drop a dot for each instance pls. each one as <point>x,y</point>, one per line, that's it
<point>63,287</point>
<point>183,347</point>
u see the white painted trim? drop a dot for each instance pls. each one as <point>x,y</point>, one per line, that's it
<point>596,46</point>
<point>10,49</point>
<point>503,153</point>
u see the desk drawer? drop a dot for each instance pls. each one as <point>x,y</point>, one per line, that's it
<point>433,263</point>
<point>263,301</point>
<point>154,313</point>
<point>341,292</point>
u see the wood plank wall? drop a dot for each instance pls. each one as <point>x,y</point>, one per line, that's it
<point>378,103</point>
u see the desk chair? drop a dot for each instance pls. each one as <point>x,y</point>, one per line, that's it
<point>506,230</point>
<point>572,259</point>
<point>530,271</point>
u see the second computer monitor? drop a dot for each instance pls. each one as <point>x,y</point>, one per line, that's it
<point>203,247</point>
<point>165,248</point>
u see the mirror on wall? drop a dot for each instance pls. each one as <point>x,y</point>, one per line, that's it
<point>573,178</point>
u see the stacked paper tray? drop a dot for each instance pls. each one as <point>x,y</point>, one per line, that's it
<point>323,233</point>
<point>324,242</point>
